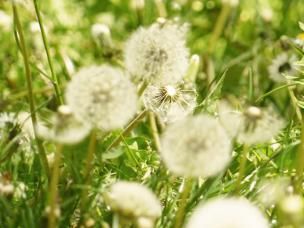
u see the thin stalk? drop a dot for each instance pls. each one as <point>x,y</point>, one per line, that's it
<point>300,165</point>
<point>142,88</point>
<point>54,188</point>
<point>127,130</point>
<point>87,173</point>
<point>47,50</point>
<point>162,12</point>
<point>294,102</point>
<point>116,223</point>
<point>219,26</point>
<point>242,168</point>
<point>28,76</point>
<point>90,155</point>
<point>180,214</point>
<point>154,130</point>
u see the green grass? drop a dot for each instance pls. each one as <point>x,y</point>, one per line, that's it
<point>234,55</point>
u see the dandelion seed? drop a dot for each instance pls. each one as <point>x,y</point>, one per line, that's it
<point>64,129</point>
<point>102,97</point>
<point>227,212</point>
<point>132,200</point>
<point>282,66</point>
<point>170,103</point>
<point>196,147</point>
<point>158,53</point>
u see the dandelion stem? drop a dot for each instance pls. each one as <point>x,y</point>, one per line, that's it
<point>45,43</point>
<point>300,165</point>
<point>142,88</point>
<point>87,172</point>
<point>294,103</point>
<point>219,26</point>
<point>180,214</point>
<point>28,76</point>
<point>90,155</point>
<point>154,130</point>
<point>127,130</point>
<point>242,168</point>
<point>116,223</point>
<point>162,12</point>
<point>54,188</point>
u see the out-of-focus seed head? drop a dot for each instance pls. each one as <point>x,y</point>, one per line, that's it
<point>158,53</point>
<point>227,212</point>
<point>101,96</point>
<point>133,200</point>
<point>196,147</point>
<point>282,66</point>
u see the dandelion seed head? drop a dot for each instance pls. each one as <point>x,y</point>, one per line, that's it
<point>158,53</point>
<point>227,212</point>
<point>252,126</point>
<point>170,102</point>
<point>196,147</point>
<point>272,191</point>
<point>102,96</point>
<point>64,128</point>
<point>292,205</point>
<point>133,200</point>
<point>283,65</point>
<point>262,129</point>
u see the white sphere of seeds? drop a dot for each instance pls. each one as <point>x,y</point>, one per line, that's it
<point>229,212</point>
<point>102,96</point>
<point>158,53</point>
<point>133,200</point>
<point>196,147</point>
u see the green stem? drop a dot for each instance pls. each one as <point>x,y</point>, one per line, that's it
<point>127,130</point>
<point>87,173</point>
<point>242,168</point>
<point>219,26</point>
<point>154,131</point>
<point>45,43</point>
<point>90,155</point>
<point>300,165</point>
<point>180,214</point>
<point>162,12</point>
<point>54,188</point>
<point>28,76</point>
<point>294,103</point>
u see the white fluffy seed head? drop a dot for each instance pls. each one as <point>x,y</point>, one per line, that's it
<point>64,128</point>
<point>282,66</point>
<point>170,102</point>
<point>227,213</point>
<point>158,53</point>
<point>196,147</point>
<point>133,200</point>
<point>102,96</point>
<point>260,130</point>
<point>252,126</point>
<point>273,191</point>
